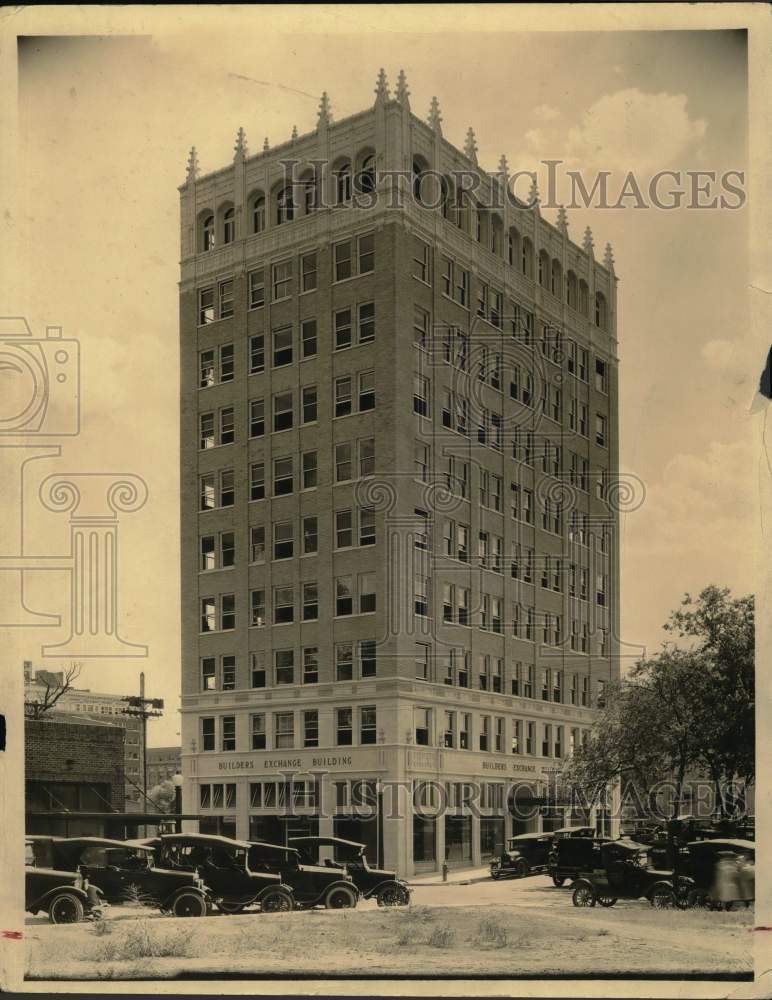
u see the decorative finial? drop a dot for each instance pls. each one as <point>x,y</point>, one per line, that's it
<point>192,172</point>
<point>504,167</point>
<point>294,132</point>
<point>403,94</point>
<point>325,111</point>
<point>533,194</point>
<point>587,243</point>
<point>470,146</point>
<point>435,118</point>
<point>241,145</point>
<point>563,220</point>
<point>608,257</point>
<point>266,145</point>
<point>381,88</point>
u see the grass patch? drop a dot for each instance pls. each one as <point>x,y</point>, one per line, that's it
<point>442,937</point>
<point>491,934</point>
<point>141,940</point>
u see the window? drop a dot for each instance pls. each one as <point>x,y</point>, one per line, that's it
<point>367,323</point>
<point>207,553</point>
<point>343,727</point>
<point>449,736</point>
<point>229,225</point>
<point>257,610</point>
<point>209,673</point>
<point>367,660</point>
<point>462,598</point>
<point>423,724</point>
<point>311,728</point>
<point>256,418</point>
<point>421,391</point>
<point>206,432</point>
<point>258,732</point>
<point>308,338</point>
<point>600,430</point>
<point>343,184</point>
<point>227,425</point>
<point>207,734</point>
<point>309,401</point>
<point>310,535</point>
<point>343,395</point>
<point>421,260</point>
<point>366,593</point>
<point>367,724</point>
<point>227,549</point>
<point>344,661</point>
<point>282,411</point>
<point>343,463</point>
<point>226,298</point>
<point>366,247</point>
<point>367,457</point>
<point>285,206</point>
<point>282,280</point>
<point>421,596</point>
<point>367,526</point>
<point>228,733</point>
<point>600,375</point>
<point>311,665</point>
<point>421,534</point>
<point>462,286</point>
<point>344,600</point>
<point>422,661</point>
<point>282,476</point>
<point>366,391</point>
<point>342,329</point>
<point>465,732</point>
<point>310,602</point>
<point>421,454</point>
<point>343,268</point>
<point>257,481</point>
<point>257,288</point>
<point>421,323</point>
<point>283,540</point>
<point>282,347</point>
<point>344,531</point>
<point>309,470</point>
<point>206,369</point>
<point>284,663</point>
<point>308,272</point>
<point>284,730</point>
<point>207,500</point>
<point>256,354</point>
<point>228,612</point>
<point>485,732</point>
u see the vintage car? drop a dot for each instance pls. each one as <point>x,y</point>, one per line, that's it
<point>624,871</point>
<point>224,866</point>
<point>124,872</point>
<point>64,894</point>
<point>716,873</point>
<point>571,856</point>
<point>312,885</point>
<point>350,857</point>
<point>525,853</point>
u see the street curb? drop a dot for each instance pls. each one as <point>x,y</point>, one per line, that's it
<point>434,885</point>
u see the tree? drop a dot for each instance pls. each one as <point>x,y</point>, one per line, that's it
<point>163,797</point>
<point>53,689</point>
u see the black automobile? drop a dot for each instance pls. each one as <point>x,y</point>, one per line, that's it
<point>312,885</point>
<point>224,866</point>
<point>710,869</point>
<point>570,856</point>
<point>350,857</point>
<point>64,894</point>
<point>124,872</point>
<point>526,853</point>
<point>624,871</point>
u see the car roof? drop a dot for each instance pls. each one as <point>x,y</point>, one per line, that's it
<point>568,829</point>
<point>745,845</point>
<point>273,847</point>
<point>95,842</point>
<point>201,838</point>
<point>530,836</point>
<point>325,841</point>
<point>631,846</point>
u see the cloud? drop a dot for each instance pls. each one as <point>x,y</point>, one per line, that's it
<point>546,112</point>
<point>717,354</point>
<point>633,130</point>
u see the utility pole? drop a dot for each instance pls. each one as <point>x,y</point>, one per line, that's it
<point>143,708</point>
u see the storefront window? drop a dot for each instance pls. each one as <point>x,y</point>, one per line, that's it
<point>458,838</point>
<point>424,839</point>
<point>491,836</point>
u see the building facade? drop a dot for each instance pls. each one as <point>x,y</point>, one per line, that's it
<point>399,448</point>
<point>162,764</point>
<point>100,707</point>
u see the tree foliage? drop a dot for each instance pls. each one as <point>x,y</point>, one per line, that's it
<point>162,796</point>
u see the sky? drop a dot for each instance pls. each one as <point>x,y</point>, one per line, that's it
<point>105,128</point>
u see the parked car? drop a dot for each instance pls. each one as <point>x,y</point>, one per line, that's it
<point>624,871</point>
<point>350,857</point>
<point>524,854</point>
<point>65,895</point>
<point>571,856</point>
<point>124,871</point>
<point>716,873</point>
<point>224,865</point>
<point>312,885</point>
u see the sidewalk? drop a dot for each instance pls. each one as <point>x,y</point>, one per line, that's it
<point>456,876</point>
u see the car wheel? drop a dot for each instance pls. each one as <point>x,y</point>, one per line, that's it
<point>394,895</point>
<point>583,895</point>
<point>65,908</point>
<point>277,901</point>
<point>521,868</point>
<point>495,876</point>
<point>189,904</point>
<point>558,881</point>
<point>341,897</point>
<point>607,901</point>
<point>663,899</point>
<point>229,906</point>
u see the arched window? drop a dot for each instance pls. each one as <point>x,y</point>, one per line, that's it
<point>544,269</point>
<point>366,178</point>
<point>258,214</point>
<point>526,259</point>
<point>446,200</point>
<point>496,233</point>
<point>571,297</point>
<point>513,247</point>
<point>343,184</point>
<point>208,233</point>
<point>419,184</point>
<point>308,187</point>
<point>556,278</point>
<point>229,225</point>
<point>601,317</point>
<point>462,211</point>
<point>584,297</point>
<point>285,206</point>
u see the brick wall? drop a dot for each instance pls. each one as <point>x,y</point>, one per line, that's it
<point>75,752</point>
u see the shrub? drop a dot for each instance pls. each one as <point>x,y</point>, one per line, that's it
<point>491,934</point>
<point>143,941</point>
<point>101,927</point>
<point>441,937</point>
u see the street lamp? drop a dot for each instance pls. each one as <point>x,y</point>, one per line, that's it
<point>177,782</point>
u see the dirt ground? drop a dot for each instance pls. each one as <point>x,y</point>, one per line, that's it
<point>502,929</point>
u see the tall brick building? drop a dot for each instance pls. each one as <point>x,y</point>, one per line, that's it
<point>398,448</point>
